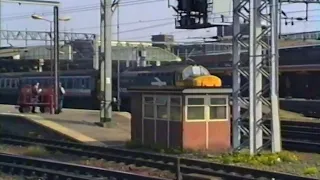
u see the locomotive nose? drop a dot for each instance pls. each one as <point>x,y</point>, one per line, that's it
<point>207,81</point>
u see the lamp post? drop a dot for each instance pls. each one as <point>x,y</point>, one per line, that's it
<point>118,63</point>
<point>56,50</point>
<point>38,17</point>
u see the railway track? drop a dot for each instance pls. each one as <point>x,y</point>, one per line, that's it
<point>48,169</point>
<point>297,136</point>
<point>292,130</point>
<point>180,166</point>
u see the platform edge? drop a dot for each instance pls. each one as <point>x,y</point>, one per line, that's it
<point>66,132</point>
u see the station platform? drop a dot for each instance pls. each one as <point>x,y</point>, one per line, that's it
<point>79,125</point>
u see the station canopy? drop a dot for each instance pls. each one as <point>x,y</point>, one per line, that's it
<point>123,51</point>
<point>10,52</point>
<point>127,53</point>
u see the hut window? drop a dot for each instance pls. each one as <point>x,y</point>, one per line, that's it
<point>175,108</point>
<point>195,108</point>
<point>218,108</point>
<point>162,107</point>
<point>207,108</point>
<point>148,110</point>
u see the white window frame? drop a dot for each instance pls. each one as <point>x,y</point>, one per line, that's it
<point>155,106</point>
<point>169,108</point>
<point>153,103</point>
<point>226,105</point>
<point>156,110</point>
<point>206,106</point>
<point>186,108</point>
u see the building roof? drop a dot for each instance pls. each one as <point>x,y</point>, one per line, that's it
<point>11,51</point>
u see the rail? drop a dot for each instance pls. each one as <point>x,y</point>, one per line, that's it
<point>60,170</point>
<point>173,163</point>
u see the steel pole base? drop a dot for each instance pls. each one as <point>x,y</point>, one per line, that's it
<point>106,122</point>
<point>57,111</point>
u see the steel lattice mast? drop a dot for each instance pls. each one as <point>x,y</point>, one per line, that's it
<point>263,67</point>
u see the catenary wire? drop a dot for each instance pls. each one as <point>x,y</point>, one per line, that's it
<point>167,19</point>
<point>133,2</point>
<point>182,31</point>
<point>77,9</point>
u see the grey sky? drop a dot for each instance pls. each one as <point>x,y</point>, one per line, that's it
<point>152,16</point>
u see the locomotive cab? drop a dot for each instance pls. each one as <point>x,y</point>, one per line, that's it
<point>179,75</point>
<point>197,76</point>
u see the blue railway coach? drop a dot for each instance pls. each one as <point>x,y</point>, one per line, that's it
<point>83,86</point>
<point>80,86</point>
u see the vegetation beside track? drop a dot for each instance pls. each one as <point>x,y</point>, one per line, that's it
<point>9,177</point>
<point>303,164</point>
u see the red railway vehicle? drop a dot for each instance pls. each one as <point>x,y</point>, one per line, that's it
<point>45,102</point>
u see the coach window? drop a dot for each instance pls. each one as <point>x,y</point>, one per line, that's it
<point>81,83</point>
<point>195,108</point>
<point>16,83</point>
<point>41,82</point>
<point>175,108</point>
<point>24,82</point>
<point>162,107</point>
<point>218,108</point>
<point>63,82</point>
<point>76,83</point>
<point>8,83</point>
<point>89,82</point>
<point>45,82</point>
<point>28,82</point>
<point>34,81</point>
<point>68,83</point>
<point>148,109</point>
<point>49,81</point>
<point>3,83</point>
<point>85,83</point>
<point>13,83</point>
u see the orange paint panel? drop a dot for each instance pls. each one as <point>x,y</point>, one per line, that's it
<point>219,136</point>
<point>194,135</point>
